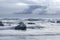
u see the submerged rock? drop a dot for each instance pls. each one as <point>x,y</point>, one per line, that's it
<point>21,26</point>
<point>1,24</point>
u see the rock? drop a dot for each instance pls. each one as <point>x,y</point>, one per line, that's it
<point>1,24</point>
<point>21,26</point>
<point>58,21</point>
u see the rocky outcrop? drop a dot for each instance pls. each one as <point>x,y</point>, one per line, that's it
<point>21,26</point>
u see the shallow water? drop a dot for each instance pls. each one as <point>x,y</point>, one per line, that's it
<point>30,37</point>
<point>53,34</point>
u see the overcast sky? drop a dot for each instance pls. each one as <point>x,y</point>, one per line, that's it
<point>28,8</point>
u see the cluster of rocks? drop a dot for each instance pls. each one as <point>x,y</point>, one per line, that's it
<point>21,26</point>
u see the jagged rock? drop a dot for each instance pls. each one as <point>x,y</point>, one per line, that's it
<point>1,24</point>
<point>21,26</point>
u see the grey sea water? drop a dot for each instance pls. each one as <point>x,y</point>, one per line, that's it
<point>30,37</point>
<point>54,36</point>
<point>53,29</point>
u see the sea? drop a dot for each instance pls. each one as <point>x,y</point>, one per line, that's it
<point>44,37</point>
<point>31,37</point>
<point>54,36</point>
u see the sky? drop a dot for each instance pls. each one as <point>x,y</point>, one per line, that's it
<point>30,8</point>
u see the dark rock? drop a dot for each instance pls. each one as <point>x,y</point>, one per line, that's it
<point>58,21</point>
<point>1,24</point>
<point>21,26</point>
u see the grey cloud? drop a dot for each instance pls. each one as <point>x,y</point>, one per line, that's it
<point>9,7</point>
<point>39,7</point>
<point>32,8</point>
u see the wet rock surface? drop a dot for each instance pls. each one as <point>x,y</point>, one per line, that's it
<point>1,24</point>
<point>21,26</point>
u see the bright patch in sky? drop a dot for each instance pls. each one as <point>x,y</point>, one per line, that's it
<point>21,4</point>
<point>57,0</point>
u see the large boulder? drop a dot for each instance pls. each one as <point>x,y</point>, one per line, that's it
<point>1,24</point>
<point>21,26</point>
